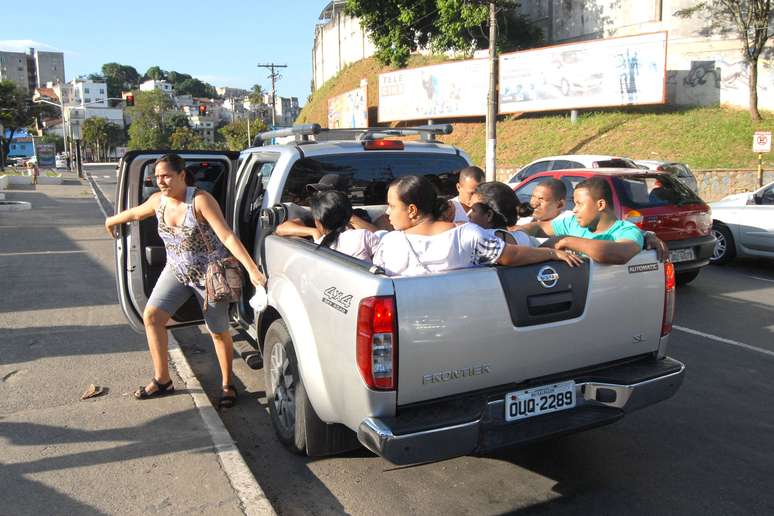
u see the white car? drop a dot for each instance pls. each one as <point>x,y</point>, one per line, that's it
<point>570,161</point>
<point>60,162</point>
<point>744,225</point>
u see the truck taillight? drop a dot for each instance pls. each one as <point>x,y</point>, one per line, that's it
<point>377,343</point>
<point>669,298</point>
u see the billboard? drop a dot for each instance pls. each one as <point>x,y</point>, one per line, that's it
<point>349,109</point>
<point>46,153</point>
<point>441,91</point>
<point>621,71</point>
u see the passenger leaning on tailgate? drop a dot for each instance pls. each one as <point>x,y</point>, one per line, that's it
<point>594,229</point>
<point>424,244</point>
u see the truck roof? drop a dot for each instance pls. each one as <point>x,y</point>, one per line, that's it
<point>350,147</point>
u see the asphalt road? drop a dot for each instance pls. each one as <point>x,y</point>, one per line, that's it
<point>707,450</point>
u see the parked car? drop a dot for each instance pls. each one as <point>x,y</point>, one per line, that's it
<point>407,366</point>
<point>681,171</point>
<point>571,161</point>
<point>60,162</point>
<point>654,201</point>
<point>744,225</point>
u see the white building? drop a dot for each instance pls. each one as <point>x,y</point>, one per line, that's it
<point>227,92</point>
<point>86,93</point>
<point>339,40</point>
<point>152,84</point>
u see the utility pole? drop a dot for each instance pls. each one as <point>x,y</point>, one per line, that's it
<point>491,112</point>
<point>274,76</point>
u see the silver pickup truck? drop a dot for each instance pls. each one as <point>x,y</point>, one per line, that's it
<point>415,369</point>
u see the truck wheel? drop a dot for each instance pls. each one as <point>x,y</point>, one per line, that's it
<point>284,388</point>
<point>725,251</point>
<point>683,278</point>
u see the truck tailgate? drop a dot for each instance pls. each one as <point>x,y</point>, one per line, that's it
<point>477,328</point>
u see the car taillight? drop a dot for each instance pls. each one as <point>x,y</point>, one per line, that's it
<point>377,343</point>
<point>669,299</point>
<point>634,216</point>
<point>383,145</point>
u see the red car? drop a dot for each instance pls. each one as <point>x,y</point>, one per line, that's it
<point>654,201</point>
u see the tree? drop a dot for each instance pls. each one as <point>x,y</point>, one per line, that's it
<point>95,135</point>
<point>399,27</point>
<point>175,120</point>
<point>256,95</point>
<point>155,73</point>
<point>119,78</point>
<point>749,20</point>
<point>235,133</point>
<point>54,139</point>
<point>16,112</point>
<point>184,138</point>
<point>148,130</point>
<point>196,88</point>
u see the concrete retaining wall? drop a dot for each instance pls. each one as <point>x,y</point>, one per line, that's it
<point>716,184</point>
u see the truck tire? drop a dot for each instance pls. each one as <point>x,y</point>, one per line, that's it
<point>725,249</point>
<point>683,278</point>
<point>284,388</point>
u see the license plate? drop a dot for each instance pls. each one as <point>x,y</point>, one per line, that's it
<point>539,400</point>
<point>682,255</point>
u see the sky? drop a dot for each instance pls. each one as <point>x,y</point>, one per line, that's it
<point>218,42</point>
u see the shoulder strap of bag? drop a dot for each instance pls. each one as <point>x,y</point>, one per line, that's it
<point>416,256</point>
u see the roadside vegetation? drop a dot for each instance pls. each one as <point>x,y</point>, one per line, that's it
<point>709,137</point>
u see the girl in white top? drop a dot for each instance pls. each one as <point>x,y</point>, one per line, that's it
<point>495,207</point>
<point>331,211</point>
<point>423,244</point>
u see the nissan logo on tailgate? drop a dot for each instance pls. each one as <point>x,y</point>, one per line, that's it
<point>548,277</point>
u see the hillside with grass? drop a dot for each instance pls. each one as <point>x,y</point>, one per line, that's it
<point>705,138</point>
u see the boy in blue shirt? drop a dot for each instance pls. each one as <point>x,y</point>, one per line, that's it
<point>594,229</point>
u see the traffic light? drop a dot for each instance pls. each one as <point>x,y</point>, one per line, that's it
<point>130,100</point>
<point>202,109</point>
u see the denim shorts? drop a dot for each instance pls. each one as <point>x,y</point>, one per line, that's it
<point>169,295</point>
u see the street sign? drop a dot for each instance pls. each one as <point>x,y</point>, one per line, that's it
<point>762,141</point>
<point>46,153</point>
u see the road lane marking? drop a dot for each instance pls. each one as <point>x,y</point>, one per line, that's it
<point>252,497</point>
<point>759,278</point>
<point>724,340</point>
<point>35,253</point>
<point>94,188</point>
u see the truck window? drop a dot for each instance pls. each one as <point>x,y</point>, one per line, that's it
<point>208,176</point>
<point>369,174</point>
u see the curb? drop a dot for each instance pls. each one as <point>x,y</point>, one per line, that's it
<point>252,499</point>
<point>251,496</point>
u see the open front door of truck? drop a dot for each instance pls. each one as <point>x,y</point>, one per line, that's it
<point>139,251</point>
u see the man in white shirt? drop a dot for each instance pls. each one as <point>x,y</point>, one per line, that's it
<point>469,179</point>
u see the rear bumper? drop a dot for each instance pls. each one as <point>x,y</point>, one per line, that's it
<point>703,248</point>
<point>458,427</point>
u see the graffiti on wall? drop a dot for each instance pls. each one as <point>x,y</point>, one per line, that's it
<point>349,110</point>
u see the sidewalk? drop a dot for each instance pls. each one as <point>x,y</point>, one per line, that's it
<point>61,329</point>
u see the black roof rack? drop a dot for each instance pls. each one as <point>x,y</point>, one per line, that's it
<point>303,132</point>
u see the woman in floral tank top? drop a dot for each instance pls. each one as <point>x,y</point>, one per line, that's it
<point>194,232</point>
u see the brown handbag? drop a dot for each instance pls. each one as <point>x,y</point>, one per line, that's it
<point>223,278</point>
